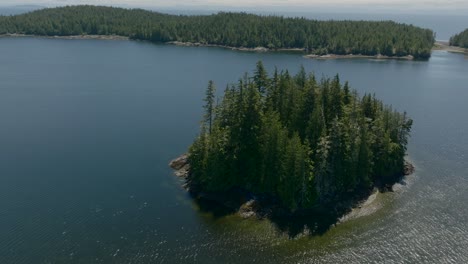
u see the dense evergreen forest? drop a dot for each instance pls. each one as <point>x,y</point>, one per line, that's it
<point>460,40</point>
<point>228,29</point>
<point>302,140</point>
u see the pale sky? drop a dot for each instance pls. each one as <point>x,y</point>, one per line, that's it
<point>403,6</point>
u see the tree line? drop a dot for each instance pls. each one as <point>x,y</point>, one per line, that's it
<point>229,29</point>
<point>460,40</point>
<point>302,140</point>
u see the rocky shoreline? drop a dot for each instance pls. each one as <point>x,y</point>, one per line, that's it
<point>248,205</point>
<point>256,49</point>
<point>357,56</point>
<point>299,50</point>
<point>445,46</point>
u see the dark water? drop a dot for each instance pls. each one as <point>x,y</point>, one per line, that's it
<point>87,129</point>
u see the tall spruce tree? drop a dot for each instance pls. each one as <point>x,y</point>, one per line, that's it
<point>209,105</point>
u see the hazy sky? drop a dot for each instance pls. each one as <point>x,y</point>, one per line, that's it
<point>404,6</point>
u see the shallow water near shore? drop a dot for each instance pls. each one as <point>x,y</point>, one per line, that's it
<point>88,128</point>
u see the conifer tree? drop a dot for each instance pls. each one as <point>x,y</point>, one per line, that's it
<point>209,105</point>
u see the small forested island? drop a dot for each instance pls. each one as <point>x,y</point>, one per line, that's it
<point>383,39</point>
<point>460,40</point>
<point>294,145</point>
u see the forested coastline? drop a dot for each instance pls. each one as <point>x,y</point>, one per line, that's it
<point>229,29</point>
<point>460,40</point>
<point>302,141</point>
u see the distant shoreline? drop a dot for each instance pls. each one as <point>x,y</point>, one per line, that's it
<point>299,50</point>
<point>99,37</point>
<point>439,45</point>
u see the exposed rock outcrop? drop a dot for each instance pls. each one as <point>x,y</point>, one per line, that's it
<point>181,166</point>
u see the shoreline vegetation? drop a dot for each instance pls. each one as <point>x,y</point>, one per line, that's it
<point>460,40</point>
<point>299,151</point>
<point>240,31</point>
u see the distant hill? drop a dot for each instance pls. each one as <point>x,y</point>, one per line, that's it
<point>239,30</point>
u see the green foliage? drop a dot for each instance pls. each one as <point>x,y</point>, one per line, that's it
<point>460,40</point>
<point>228,29</point>
<point>302,141</point>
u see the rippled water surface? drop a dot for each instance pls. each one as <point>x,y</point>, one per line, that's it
<point>87,129</point>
